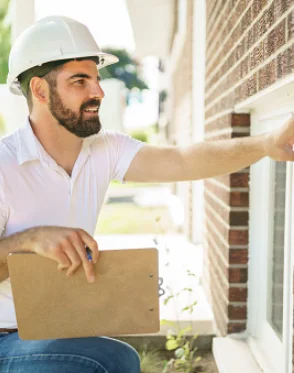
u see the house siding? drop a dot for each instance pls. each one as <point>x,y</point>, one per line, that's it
<point>249,46</point>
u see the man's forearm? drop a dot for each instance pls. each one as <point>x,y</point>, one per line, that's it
<point>16,242</point>
<point>214,158</point>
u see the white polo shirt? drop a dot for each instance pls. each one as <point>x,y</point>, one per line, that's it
<point>35,191</point>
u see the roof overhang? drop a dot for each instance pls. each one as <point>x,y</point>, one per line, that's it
<point>153,24</point>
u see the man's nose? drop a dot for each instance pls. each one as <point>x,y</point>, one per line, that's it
<point>97,91</point>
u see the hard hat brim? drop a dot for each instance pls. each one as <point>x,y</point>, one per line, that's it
<point>105,59</point>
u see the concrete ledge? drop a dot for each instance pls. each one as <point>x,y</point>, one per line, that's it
<point>203,342</point>
<point>232,355</point>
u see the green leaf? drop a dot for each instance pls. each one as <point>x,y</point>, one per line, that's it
<point>5,40</point>
<point>179,353</point>
<point>190,307</point>
<point>168,299</point>
<point>171,345</point>
<point>185,330</point>
<point>167,322</point>
<point>126,70</point>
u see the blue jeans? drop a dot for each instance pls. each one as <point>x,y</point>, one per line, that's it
<point>77,355</point>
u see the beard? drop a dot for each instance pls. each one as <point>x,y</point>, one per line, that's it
<point>75,123</point>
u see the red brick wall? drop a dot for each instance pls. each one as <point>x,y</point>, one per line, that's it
<point>250,45</point>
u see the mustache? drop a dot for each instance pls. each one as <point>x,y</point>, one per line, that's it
<point>90,103</point>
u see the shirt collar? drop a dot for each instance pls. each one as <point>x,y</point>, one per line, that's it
<point>30,149</point>
<point>27,147</point>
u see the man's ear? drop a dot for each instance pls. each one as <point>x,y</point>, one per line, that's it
<point>39,89</point>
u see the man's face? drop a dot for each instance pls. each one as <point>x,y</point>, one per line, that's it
<point>75,98</point>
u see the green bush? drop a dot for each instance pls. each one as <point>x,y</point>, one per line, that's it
<point>2,125</point>
<point>140,135</point>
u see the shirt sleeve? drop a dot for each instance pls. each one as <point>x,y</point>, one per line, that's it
<point>123,149</point>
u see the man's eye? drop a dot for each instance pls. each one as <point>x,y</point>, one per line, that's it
<point>79,82</point>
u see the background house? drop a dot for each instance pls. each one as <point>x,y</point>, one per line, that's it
<point>241,51</point>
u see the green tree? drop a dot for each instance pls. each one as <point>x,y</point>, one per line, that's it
<point>5,43</point>
<point>127,70</point>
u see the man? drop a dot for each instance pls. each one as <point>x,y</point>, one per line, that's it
<point>55,171</point>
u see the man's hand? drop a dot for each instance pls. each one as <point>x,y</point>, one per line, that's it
<point>67,246</point>
<point>279,143</point>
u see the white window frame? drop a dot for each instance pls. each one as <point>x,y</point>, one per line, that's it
<point>274,101</point>
<point>180,36</point>
<point>272,354</point>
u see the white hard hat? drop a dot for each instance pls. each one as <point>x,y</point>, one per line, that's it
<point>51,39</point>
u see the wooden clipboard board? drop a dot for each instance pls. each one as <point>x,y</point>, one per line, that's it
<point>123,300</point>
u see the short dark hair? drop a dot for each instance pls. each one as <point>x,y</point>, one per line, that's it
<point>50,78</point>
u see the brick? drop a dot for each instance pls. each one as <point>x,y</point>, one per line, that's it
<point>251,86</point>
<point>237,312</point>
<point>240,120</point>
<point>238,256</point>
<point>246,20</point>
<point>238,275</point>
<point>290,60</point>
<point>269,16</point>
<point>238,218</point>
<point>260,27</point>
<point>244,67</point>
<point>217,208</point>
<point>237,134</point>
<point>267,75</point>
<point>239,180</point>
<point>250,38</point>
<point>238,294</point>
<point>282,64</point>
<point>234,327</point>
<point>241,6</point>
<point>238,237</point>
<point>257,6</point>
<point>258,54</point>
<point>220,318</point>
<point>219,228</point>
<point>280,7</point>
<point>239,51</point>
<point>275,39</point>
<point>239,199</point>
<point>290,21</point>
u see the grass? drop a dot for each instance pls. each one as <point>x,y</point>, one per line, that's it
<point>128,218</point>
<point>151,361</point>
<point>129,184</point>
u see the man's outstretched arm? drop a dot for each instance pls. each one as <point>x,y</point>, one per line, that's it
<point>210,158</point>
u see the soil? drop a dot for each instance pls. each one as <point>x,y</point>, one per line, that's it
<point>207,363</point>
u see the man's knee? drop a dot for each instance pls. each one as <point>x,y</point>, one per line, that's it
<point>129,361</point>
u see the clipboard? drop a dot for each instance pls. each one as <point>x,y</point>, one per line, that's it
<point>123,300</point>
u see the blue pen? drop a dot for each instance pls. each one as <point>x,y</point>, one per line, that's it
<point>89,254</point>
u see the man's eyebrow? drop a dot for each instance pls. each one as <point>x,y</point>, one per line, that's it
<point>82,75</point>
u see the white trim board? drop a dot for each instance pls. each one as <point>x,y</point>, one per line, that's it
<point>232,355</point>
<point>279,93</point>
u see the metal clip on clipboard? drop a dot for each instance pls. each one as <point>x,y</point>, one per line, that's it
<point>161,291</point>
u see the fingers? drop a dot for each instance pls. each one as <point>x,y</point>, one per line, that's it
<point>63,261</point>
<point>70,253</point>
<point>80,248</point>
<point>91,243</point>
